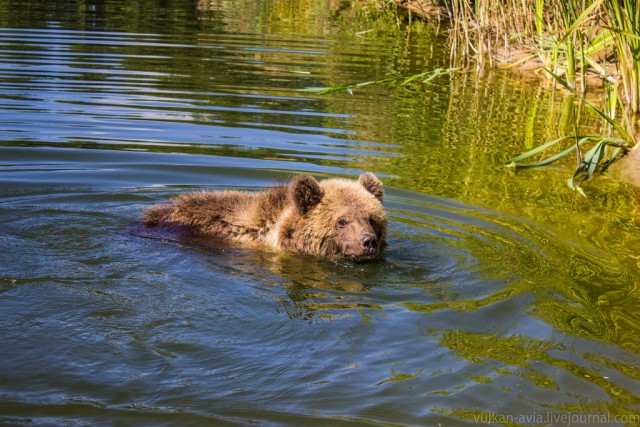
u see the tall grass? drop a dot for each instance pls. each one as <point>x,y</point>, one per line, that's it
<point>576,41</point>
<point>624,20</point>
<point>482,27</point>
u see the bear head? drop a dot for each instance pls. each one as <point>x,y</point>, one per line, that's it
<point>336,218</point>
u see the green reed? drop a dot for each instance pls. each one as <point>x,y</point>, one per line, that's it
<point>574,40</point>
<point>624,25</point>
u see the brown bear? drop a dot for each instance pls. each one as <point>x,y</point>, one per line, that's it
<point>334,218</point>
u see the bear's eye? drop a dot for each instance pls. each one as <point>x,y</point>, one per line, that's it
<point>342,223</point>
<point>373,221</point>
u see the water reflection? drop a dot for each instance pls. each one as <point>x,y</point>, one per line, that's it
<point>499,292</point>
<point>531,360</point>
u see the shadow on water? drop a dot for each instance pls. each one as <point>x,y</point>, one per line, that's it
<point>500,296</point>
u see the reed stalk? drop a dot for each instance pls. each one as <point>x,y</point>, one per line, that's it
<point>624,24</point>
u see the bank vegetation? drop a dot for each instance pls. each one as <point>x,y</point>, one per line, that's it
<point>588,48</point>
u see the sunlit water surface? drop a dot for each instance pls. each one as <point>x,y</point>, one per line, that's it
<point>501,298</point>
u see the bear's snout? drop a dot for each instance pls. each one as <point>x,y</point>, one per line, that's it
<point>370,243</point>
<point>365,248</point>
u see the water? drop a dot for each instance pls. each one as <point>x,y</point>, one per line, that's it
<point>501,298</point>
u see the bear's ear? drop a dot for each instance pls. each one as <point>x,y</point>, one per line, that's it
<point>306,193</point>
<point>372,184</point>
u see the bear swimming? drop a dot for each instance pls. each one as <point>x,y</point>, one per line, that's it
<point>334,218</point>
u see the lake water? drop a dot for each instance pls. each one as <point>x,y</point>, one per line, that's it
<point>502,297</point>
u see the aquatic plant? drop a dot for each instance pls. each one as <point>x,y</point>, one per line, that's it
<point>576,42</point>
<point>588,162</point>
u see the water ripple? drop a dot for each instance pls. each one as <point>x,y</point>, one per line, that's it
<point>470,311</point>
<point>107,90</point>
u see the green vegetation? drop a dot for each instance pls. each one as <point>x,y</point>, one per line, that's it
<point>590,49</point>
<point>576,43</point>
<point>575,39</point>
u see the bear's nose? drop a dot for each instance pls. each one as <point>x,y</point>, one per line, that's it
<point>370,242</point>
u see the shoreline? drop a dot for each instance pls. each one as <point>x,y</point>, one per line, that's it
<point>524,59</point>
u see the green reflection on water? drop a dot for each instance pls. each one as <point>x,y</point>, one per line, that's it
<point>524,353</point>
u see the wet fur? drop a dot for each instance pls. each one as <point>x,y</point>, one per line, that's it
<point>304,216</point>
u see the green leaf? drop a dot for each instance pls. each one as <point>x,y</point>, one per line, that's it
<point>622,33</point>
<point>576,187</point>
<point>543,162</point>
<point>513,163</point>
<point>598,153</point>
<point>581,19</point>
<point>537,150</point>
